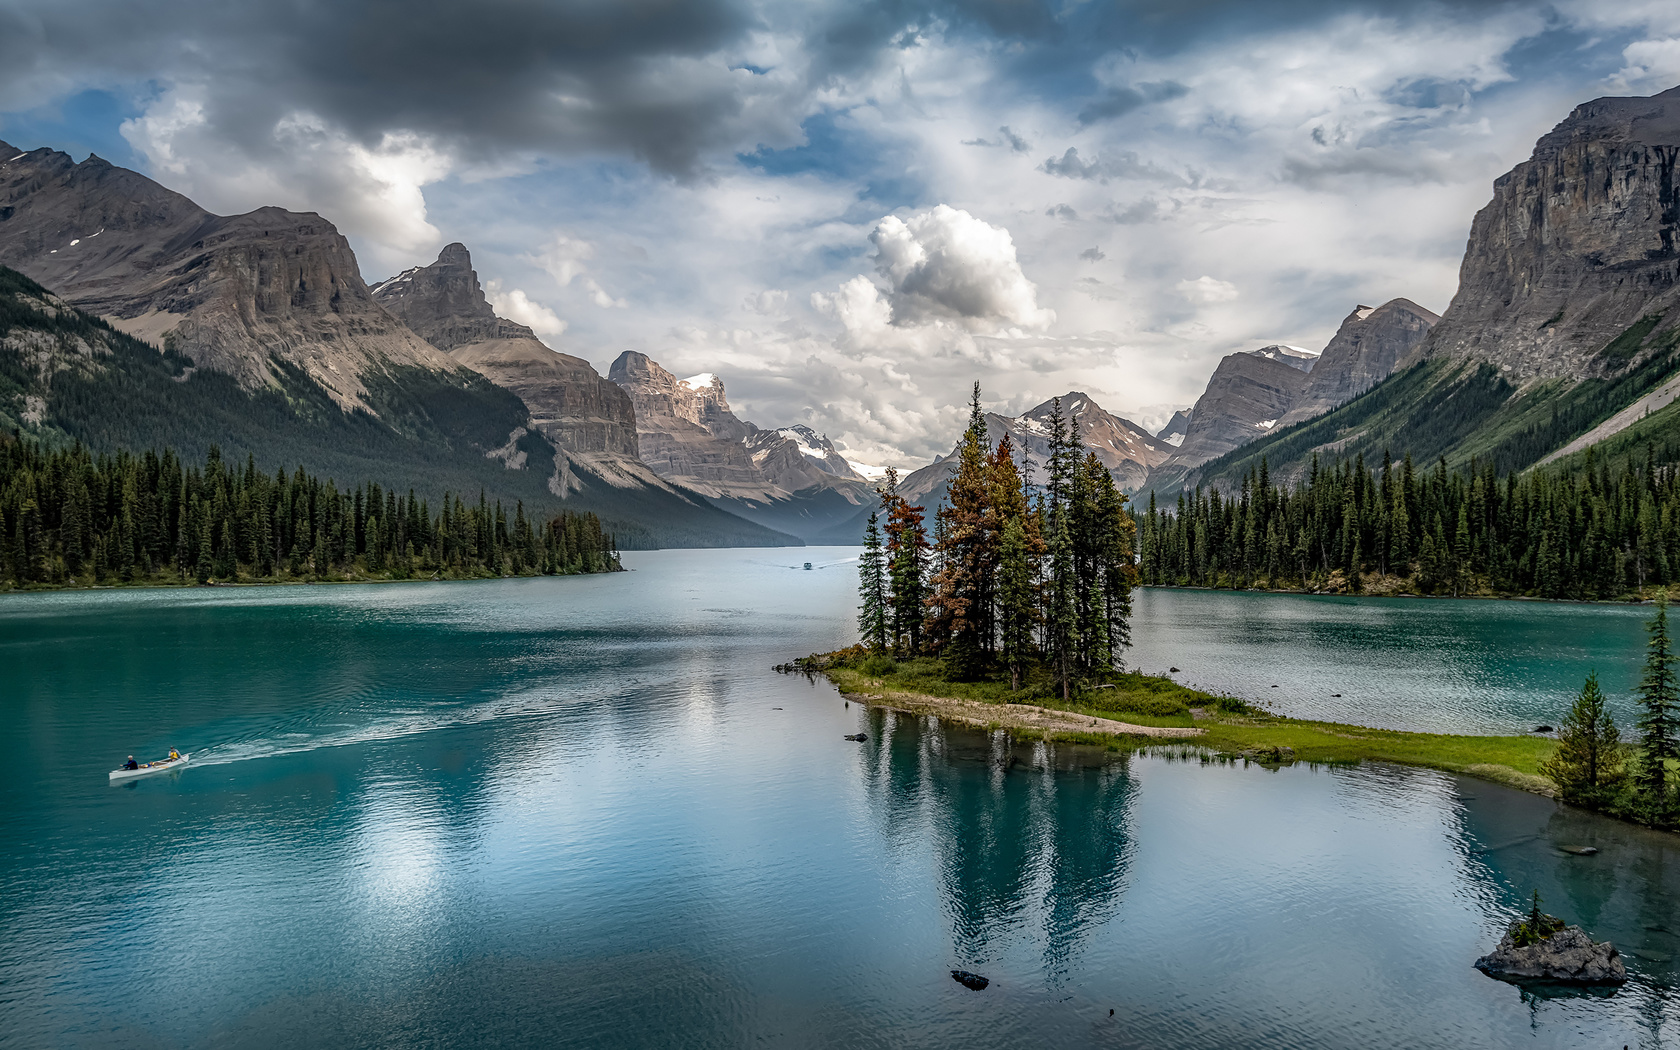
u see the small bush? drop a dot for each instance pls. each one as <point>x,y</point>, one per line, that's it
<point>878,665</point>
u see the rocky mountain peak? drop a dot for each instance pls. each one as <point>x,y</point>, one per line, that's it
<point>1294,356</point>
<point>1366,349</point>
<point>1578,245</point>
<point>231,292</point>
<point>444,303</point>
<point>1173,432</point>
<point>699,400</point>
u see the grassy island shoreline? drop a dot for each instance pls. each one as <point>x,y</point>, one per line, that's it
<point>1137,711</point>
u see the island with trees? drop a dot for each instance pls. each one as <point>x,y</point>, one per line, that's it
<point>1013,612</point>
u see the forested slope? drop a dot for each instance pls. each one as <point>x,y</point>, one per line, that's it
<point>67,376</point>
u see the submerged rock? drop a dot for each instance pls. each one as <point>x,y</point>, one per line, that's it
<point>969,980</point>
<point>1566,954</point>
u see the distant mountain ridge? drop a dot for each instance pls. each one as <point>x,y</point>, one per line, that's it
<point>790,478</point>
<point>1564,331</point>
<point>1254,392</point>
<point>267,316</point>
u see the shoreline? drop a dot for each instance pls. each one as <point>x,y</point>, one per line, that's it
<point>1028,717</point>
<point>1300,593</point>
<point>163,585</point>
<point>1265,739</point>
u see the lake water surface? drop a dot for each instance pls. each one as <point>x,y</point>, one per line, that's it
<point>584,812</point>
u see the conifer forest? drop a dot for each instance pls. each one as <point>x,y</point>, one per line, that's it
<point>1010,580</point>
<point>1582,532</point>
<point>69,518</point>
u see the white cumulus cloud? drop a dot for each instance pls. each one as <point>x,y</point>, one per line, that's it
<point>1205,289</point>
<point>947,265</point>
<point>515,305</point>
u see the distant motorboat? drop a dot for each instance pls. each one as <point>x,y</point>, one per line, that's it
<point>807,566</point>
<point>148,768</point>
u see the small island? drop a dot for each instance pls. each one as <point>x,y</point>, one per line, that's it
<point>1017,612</point>
<point>1542,947</point>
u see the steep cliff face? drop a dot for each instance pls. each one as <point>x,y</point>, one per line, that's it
<point>1245,399</point>
<point>1365,350</point>
<point>689,433</point>
<point>570,403</point>
<point>674,421</point>
<point>227,291</point>
<point>791,479</point>
<point>1580,243</point>
<point>444,304</point>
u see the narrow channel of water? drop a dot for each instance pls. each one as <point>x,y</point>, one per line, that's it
<point>584,812</point>
<point>1426,664</point>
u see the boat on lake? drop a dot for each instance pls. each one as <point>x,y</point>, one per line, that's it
<point>148,768</point>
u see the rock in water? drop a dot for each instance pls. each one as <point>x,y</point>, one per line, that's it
<point>1567,955</point>
<point>969,980</point>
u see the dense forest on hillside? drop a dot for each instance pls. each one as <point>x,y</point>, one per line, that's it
<point>66,376</point>
<point>70,518</point>
<point>1590,528</point>
<point>1464,411</point>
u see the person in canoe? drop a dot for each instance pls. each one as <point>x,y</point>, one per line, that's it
<point>131,764</point>
<point>174,754</point>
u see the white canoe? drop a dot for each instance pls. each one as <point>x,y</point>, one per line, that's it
<point>148,769</point>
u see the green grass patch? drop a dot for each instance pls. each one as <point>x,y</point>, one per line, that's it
<point>1231,726</point>
<point>1624,346</point>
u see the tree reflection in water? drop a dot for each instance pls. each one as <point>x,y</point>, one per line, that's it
<point>1027,836</point>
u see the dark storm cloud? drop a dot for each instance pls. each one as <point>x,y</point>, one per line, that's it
<point>499,75</point>
<point>1124,165</point>
<point>1117,102</point>
<point>616,77</point>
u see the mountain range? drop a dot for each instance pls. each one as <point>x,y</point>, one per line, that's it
<point>1564,332</point>
<point>130,316</point>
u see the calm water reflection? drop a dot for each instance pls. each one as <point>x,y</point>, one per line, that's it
<point>585,813</point>
<point>1425,664</point>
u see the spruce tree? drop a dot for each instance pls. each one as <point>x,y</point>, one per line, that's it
<point>1590,755</point>
<point>872,588</point>
<point>1016,607</point>
<point>1659,724</point>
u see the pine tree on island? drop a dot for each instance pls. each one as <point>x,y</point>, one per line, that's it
<point>1659,722</point>
<point>906,553</point>
<point>1010,584</point>
<point>872,588</point>
<point>1590,758</point>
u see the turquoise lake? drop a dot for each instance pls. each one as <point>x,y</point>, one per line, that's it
<point>586,812</point>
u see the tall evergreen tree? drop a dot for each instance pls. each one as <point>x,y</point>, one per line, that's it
<point>1659,721</point>
<point>872,588</point>
<point>1590,755</point>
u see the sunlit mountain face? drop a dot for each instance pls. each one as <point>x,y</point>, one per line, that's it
<point>854,212</point>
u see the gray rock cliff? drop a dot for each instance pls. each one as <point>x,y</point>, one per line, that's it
<point>228,291</point>
<point>1580,242</point>
<point>1246,398</point>
<point>1364,351</point>
<point>569,401</point>
<point>689,434</point>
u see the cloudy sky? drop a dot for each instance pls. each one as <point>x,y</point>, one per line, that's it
<point>852,209</point>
